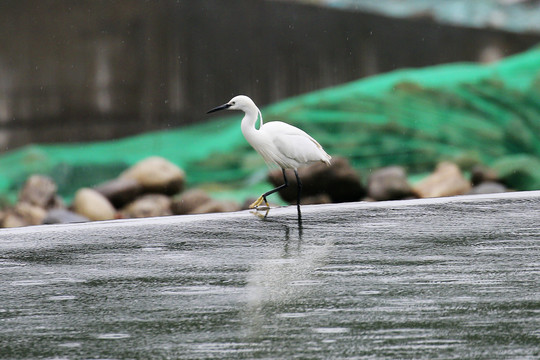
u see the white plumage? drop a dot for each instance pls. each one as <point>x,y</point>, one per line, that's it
<point>278,142</point>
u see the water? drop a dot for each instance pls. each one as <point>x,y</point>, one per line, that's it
<point>453,278</point>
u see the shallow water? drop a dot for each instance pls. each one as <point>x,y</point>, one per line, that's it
<point>453,278</point>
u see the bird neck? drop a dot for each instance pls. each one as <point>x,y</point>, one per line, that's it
<point>249,120</point>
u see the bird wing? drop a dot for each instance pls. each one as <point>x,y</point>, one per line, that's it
<point>294,144</point>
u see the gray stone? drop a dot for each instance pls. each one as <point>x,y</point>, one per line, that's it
<point>189,201</point>
<point>157,175</point>
<point>480,174</point>
<point>120,191</point>
<point>216,206</point>
<point>316,199</point>
<point>150,205</point>
<point>389,183</point>
<point>447,180</point>
<point>40,190</point>
<point>488,187</point>
<point>23,214</point>
<point>93,205</point>
<point>63,216</point>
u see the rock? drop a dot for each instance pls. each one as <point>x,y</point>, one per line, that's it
<point>150,205</point>
<point>488,187</point>
<point>389,183</point>
<point>39,190</point>
<point>63,216</point>
<point>316,199</point>
<point>339,181</point>
<point>24,214</point>
<point>520,171</point>
<point>216,206</point>
<point>120,191</point>
<point>480,174</point>
<point>447,180</point>
<point>157,175</point>
<point>189,201</point>
<point>93,205</point>
<point>197,201</point>
<point>12,220</point>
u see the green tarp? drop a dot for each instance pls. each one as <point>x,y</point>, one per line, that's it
<point>468,113</point>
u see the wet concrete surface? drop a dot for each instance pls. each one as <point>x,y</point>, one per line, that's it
<point>452,278</point>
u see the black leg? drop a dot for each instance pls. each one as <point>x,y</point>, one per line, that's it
<point>299,193</point>
<point>278,188</point>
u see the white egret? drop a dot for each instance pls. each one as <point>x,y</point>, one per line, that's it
<point>277,142</point>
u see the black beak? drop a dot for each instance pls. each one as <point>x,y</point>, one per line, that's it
<point>221,107</point>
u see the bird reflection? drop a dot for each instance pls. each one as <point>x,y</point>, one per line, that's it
<point>264,217</point>
<point>285,276</point>
<point>300,228</point>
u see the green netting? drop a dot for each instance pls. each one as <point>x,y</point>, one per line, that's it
<point>464,112</point>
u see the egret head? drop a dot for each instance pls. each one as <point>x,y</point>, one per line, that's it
<point>240,102</point>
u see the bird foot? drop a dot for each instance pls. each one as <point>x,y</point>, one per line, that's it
<point>258,203</point>
<point>260,215</point>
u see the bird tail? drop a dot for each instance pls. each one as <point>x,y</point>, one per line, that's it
<point>326,158</point>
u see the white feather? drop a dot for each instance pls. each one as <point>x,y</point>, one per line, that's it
<point>277,142</point>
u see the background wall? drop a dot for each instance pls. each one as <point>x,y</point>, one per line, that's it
<point>92,70</point>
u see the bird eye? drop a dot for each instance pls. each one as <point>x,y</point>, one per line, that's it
<point>232,102</point>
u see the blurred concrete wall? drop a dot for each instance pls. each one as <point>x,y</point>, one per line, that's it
<point>77,70</point>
